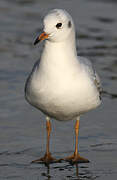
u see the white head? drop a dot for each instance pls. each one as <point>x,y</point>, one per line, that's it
<point>58,26</point>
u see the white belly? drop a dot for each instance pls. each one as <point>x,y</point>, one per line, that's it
<point>63,100</point>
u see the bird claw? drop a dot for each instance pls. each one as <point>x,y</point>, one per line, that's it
<point>73,159</point>
<point>47,159</point>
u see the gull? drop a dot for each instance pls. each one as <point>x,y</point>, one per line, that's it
<point>61,84</point>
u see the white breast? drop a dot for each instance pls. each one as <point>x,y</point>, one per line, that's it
<point>62,92</point>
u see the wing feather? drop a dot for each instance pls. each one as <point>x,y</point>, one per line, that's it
<point>92,73</point>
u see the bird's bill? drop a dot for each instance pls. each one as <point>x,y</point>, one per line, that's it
<point>41,38</point>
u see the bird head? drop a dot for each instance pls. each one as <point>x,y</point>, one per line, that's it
<point>58,26</point>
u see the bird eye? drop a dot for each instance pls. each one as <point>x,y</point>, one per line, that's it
<point>58,25</point>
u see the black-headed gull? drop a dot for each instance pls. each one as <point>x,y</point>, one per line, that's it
<point>62,85</point>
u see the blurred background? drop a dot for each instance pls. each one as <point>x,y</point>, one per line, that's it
<point>22,127</point>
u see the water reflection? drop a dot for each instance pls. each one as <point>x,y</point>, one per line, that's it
<point>68,171</point>
<point>105,20</point>
<point>23,2</point>
<point>109,95</point>
<point>105,1</point>
<point>47,174</point>
<point>21,126</point>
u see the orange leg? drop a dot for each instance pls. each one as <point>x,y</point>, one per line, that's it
<point>47,159</point>
<point>76,158</point>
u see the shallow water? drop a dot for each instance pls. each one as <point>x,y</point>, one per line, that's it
<point>22,127</point>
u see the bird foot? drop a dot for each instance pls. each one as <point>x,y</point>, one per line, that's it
<point>47,159</point>
<point>76,158</point>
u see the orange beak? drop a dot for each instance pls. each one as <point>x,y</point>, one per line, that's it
<point>41,38</point>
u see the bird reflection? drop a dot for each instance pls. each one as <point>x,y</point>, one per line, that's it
<point>77,171</point>
<point>48,172</point>
<point>65,167</point>
<point>73,169</point>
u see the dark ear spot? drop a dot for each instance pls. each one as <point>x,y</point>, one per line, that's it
<point>69,24</point>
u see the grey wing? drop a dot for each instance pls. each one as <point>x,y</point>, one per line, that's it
<point>97,82</point>
<point>92,73</point>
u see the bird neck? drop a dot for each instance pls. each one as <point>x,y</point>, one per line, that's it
<point>59,57</point>
<point>63,49</point>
